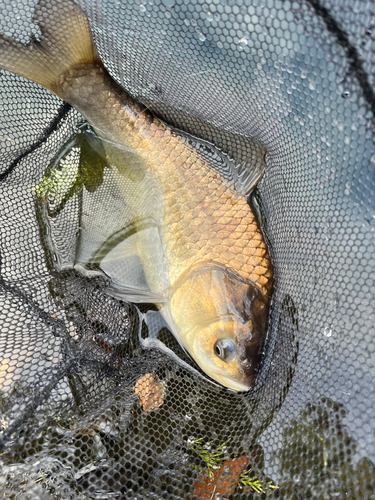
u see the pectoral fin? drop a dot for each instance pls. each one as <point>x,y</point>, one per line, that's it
<point>122,262</point>
<point>123,265</point>
<point>132,294</point>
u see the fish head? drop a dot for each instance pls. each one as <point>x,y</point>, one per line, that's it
<point>220,319</point>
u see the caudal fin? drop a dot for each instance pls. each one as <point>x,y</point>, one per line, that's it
<point>66,42</point>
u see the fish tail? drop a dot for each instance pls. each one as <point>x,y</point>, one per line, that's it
<point>65,42</point>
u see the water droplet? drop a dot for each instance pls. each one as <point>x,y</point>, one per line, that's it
<point>151,87</point>
<point>340,127</point>
<point>244,42</point>
<point>142,8</point>
<point>187,22</point>
<point>168,15</point>
<point>345,94</point>
<point>201,37</point>
<point>193,22</point>
<point>327,331</point>
<point>303,75</point>
<point>312,86</point>
<point>210,17</point>
<point>217,16</point>
<point>190,440</point>
<point>188,417</point>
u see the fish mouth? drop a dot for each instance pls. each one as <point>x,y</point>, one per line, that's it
<point>233,384</point>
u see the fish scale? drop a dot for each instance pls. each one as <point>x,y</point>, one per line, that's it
<point>203,219</point>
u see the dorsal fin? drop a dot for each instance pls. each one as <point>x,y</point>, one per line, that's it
<point>241,177</point>
<point>239,159</point>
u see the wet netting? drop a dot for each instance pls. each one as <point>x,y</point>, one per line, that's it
<point>98,400</point>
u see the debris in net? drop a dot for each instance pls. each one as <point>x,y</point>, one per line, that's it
<point>222,482</point>
<point>150,392</point>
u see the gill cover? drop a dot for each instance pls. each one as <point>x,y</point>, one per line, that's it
<point>220,320</point>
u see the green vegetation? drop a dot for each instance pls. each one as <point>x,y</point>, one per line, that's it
<point>247,479</point>
<point>213,459</point>
<point>79,162</point>
<point>57,182</point>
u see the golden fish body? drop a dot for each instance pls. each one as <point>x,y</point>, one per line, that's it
<point>216,267</point>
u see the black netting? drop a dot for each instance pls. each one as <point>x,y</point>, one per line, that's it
<point>98,400</point>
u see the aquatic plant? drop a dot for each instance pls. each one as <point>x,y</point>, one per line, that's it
<point>214,460</point>
<point>247,479</point>
<point>56,182</point>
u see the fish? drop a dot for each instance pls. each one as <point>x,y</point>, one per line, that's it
<point>211,275</point>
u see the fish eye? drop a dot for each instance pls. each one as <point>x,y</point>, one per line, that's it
<point>224,348</point>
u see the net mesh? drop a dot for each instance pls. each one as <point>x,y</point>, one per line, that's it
<point>88,408</point>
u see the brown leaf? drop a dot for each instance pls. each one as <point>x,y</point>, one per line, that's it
<point>150,392</point>
<point>224,480</point>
